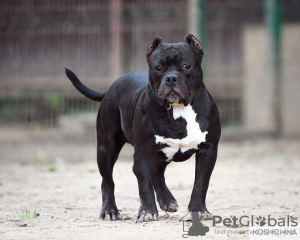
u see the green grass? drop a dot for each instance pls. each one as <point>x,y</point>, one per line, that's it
<point>26,214</point>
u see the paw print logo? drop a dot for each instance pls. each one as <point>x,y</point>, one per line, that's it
<point>261,221</point>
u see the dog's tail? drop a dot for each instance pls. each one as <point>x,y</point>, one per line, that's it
<point>91,94</point>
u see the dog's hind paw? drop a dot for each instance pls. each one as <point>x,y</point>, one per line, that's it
<point>203,215</point>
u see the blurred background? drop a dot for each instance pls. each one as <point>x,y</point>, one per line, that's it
<point>47,129</point>
<point>251,62</point>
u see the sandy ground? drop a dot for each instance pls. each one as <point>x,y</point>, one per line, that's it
<point>57,174</point>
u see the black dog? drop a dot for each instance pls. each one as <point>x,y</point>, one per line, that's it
<point>167,114</point>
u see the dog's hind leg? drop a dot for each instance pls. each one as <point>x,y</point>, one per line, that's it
<point>164,197</point>
<point>108,149</point>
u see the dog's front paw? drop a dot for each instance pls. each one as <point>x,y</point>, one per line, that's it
<point>111,214</point>
<point>146,216</point>
<point>168,206</point>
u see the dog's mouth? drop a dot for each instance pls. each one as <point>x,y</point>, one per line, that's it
<point>171,96</point>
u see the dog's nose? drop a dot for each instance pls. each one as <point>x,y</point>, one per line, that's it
<point>171,80</point>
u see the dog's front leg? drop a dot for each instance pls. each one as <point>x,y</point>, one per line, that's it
<point>205,162</point>
<point>142,168</point>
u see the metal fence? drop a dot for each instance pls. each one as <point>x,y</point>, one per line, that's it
<point>101,39</point>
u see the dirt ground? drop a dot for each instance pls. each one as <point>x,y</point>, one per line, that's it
<point>54,172</point>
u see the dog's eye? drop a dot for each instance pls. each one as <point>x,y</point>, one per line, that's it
<point>158,68</point>
<point>186,66</point>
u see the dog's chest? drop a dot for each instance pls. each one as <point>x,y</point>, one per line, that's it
<point>194,134</point>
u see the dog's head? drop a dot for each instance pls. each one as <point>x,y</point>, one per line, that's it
<point>175,73</point>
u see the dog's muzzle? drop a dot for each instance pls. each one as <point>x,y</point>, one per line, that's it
<point>172,90</point>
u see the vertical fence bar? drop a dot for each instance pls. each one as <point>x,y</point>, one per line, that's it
<point>202,26</point>
<point>273,11</point>
<point>193,17</point>
<point>116,39</point>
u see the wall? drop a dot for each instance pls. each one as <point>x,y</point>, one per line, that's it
<point>258,97</point>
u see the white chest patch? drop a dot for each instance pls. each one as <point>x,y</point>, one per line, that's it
<point>194,135</point>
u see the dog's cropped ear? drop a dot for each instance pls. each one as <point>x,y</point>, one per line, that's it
<point>194,43</point>
<point>156,43</point>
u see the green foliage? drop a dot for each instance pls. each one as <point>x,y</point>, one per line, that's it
<point>26,214</point>
<point>53,100</point>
